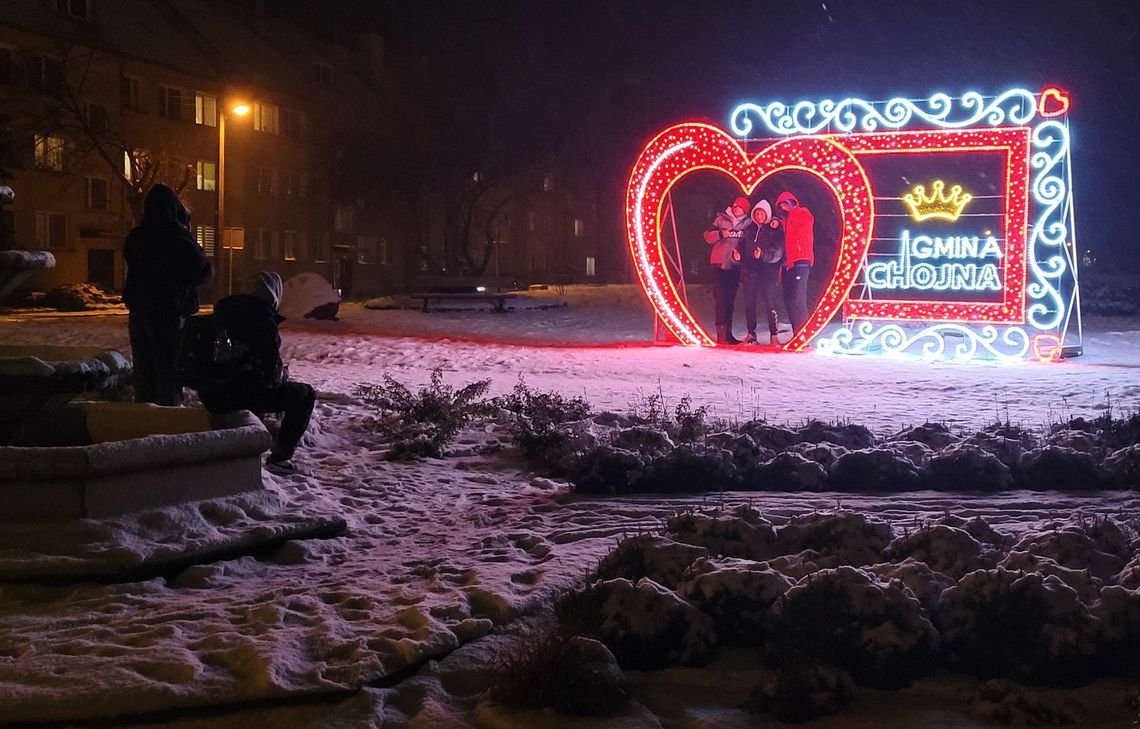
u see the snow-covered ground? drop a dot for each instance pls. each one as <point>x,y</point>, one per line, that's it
<point>439,553</point>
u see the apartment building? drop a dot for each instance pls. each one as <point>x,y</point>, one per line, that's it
<point>108,96</point>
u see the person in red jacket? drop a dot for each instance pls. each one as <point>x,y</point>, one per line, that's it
<point>799,245</point>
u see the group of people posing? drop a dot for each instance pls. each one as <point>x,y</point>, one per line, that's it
<point>759,249</point>
<point>165,267</point>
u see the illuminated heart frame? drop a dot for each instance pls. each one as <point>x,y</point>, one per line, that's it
<point>688,147</point>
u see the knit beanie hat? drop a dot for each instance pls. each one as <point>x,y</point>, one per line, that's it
<point>742,203</point>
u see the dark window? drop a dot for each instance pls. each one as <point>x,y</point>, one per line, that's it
<point>96,118</point>
<point>5,64</point>
<point>51,75</point>
<point>292,124</point>
<point>75,8</point>
<point>170,102</point>
<point>96,193</point>
<point>129,90</point>
<point>323,74</point>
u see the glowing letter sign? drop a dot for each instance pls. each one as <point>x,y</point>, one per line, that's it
<point>956,221</point>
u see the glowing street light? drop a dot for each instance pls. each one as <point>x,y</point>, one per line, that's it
<point>238,109</point>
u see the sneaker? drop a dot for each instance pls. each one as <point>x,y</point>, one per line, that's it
<point>281,468</point>
<point>750,338</point>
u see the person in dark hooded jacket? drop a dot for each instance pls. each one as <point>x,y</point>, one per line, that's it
<point>260,381</point>
<point>761,251</point>
<point>165,265</point>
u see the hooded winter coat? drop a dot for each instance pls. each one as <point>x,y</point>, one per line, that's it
<point>766,238</point>
<point>799,235</point>
<point>165,265</point>
<point>723,235</point>
<point>250,321</point>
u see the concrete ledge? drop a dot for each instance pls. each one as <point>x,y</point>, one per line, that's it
<point>206,457</point>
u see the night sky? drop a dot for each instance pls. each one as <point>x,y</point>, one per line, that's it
<point>606,75</point>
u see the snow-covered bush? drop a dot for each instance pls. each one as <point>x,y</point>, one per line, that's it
<point>1072,546</point>
<point>724,534</point>
<point>978,528</point>
<point>876,469</point>
<point>428,420</point>
<point>1007,450</point>
<point>555,449</point>
<point>800,565</point>
<point>935,435</point>
<point>1129,577</point>
<point>966,467</point>
<point>736,594</point>
<point>1086,586</point>
<point>825,454</point>
<point>1118,610</point>
<point>926,584</point>
<point>646,625</point>
<point>844,617</point>
<point>1082,441</point>
<point>658,558</point>
<point>604,469</point>
<point>690,467</point>
<point>1122,467</point>
<point>800,691</point>
<point>645,439</point>
<point>848,435</point>
<point>943,548</point>
<point>747,457</point>
<point>850,536</point>
<point>1001,624</point>
<point>1058,468</point>
<point>787,472</point>
<point>772,437</point>
<point>1011,704</point>
<point>914,451</point>
<point>574,675</point>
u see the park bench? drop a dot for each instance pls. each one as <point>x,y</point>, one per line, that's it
<point>499,300</point>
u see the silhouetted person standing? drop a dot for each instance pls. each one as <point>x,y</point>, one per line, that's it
<point>165,265</point>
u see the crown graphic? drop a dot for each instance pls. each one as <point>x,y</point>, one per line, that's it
<point>937,204</point>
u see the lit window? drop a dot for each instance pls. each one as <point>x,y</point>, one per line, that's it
<point>289,245</point>
<point>129,91</point>
<point>234,239</point>
<point>547,183</point>
<point>205,110</point>
<point>591,266</point>
<point>579,227</point>
<point>51,230</point>
<point>128,166</point>
<point>205,235</point>
<point>207,176</point>
<point>97,193</point>
<point>265,118</point>
<point>49,152</point>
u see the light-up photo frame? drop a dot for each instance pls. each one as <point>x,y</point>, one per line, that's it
<point>957,235</point>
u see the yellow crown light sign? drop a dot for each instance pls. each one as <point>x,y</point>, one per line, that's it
<point>938,204</point>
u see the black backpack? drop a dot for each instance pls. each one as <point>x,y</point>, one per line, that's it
<point>205,356</point>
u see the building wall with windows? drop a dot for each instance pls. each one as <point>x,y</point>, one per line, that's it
<point>157,76</point>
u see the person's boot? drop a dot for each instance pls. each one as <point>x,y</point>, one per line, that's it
<point>720,334</point>
<point>750,338</point>
<point>728,338</point>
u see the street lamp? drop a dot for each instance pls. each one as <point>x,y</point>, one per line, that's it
<point>238,109</point>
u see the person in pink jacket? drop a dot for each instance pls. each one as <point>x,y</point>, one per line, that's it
<point>799,255</point>
<point>724,235</point>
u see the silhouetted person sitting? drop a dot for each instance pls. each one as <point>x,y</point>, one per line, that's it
<point>260,380</point>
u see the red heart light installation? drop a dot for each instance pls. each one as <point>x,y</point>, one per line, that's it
<point>692,146</point>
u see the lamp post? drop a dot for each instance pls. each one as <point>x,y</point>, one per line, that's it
<point>239,109</point>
